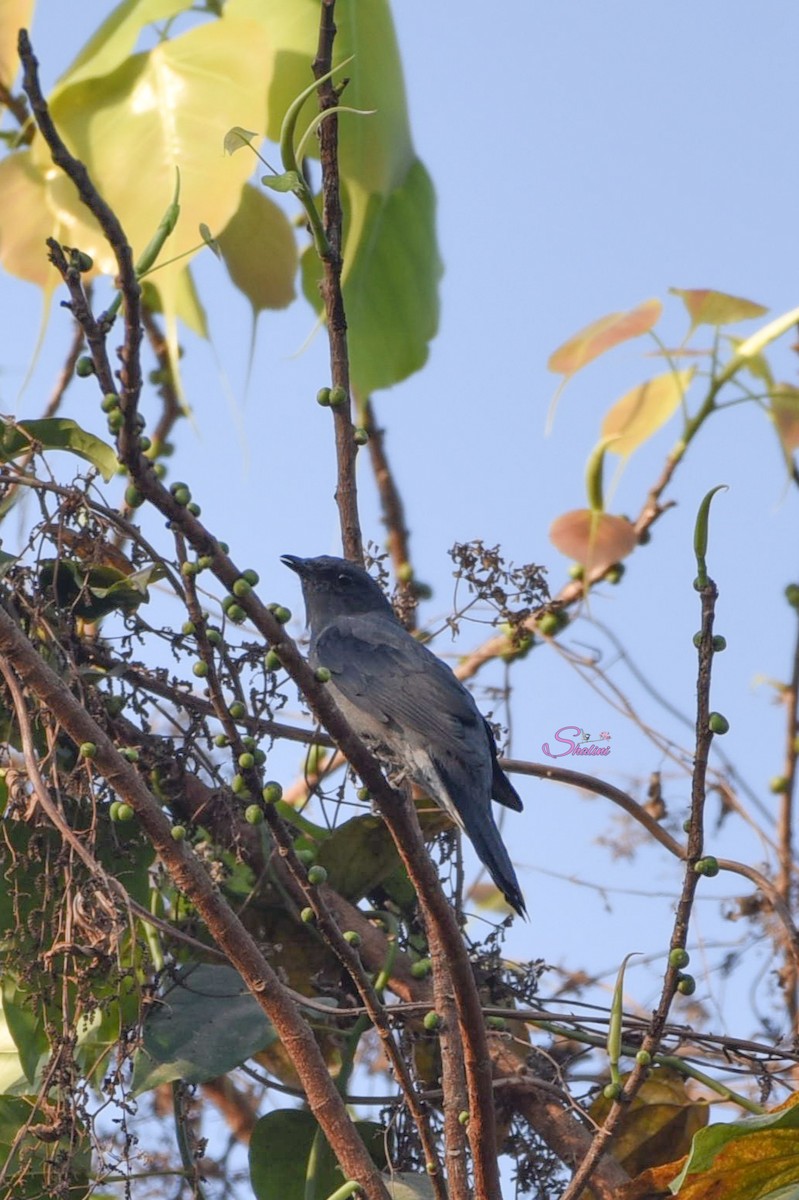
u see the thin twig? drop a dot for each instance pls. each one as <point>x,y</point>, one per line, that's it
<point>332,295</point>
<point>679,937</point>
<point>785,826</point>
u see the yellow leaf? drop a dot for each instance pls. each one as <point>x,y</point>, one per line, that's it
<point>160,112</point>
<point>752,1159</point>
<point>595,539</point>
<point>16,15</point>
<point>706,307</point>
<point>603,335</point>
<point>659,1124</point>
<point>643,410</point>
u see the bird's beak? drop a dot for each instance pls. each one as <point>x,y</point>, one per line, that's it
<point>293,562</point>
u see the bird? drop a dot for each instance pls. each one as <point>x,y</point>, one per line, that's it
<point>407,705</point>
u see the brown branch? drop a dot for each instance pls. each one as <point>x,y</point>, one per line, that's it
<point>453,1076</point>
<point>679,937</point>
<point>785,827</point>
<point>393,511</point>
<point>332,295</point>
<point>109,222</point>
<point>190,876</point>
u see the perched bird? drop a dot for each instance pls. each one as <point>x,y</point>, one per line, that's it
<point>407,705</point>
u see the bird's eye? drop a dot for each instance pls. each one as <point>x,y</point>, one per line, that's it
<point>344,580</point>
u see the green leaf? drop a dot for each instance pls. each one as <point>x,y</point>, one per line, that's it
<point>25,1025</point>
<point>237,138</point>
<point>376,154</point>
<point>391,262</point>
<point>402,1185</point>
<point>280,1145</point>
<point>359,856</point>
<point>260,251</point>
<point>209,239</point>
<point>643,410</point>
<point>205,1025</point>
<point>706,307</point>
<point>391,276</point>
<point>12,1072</point>
<point>602,335</point>
<point>286,181</point>
<point>58,433</point>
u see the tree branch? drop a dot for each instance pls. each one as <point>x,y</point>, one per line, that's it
<point>191,877</point>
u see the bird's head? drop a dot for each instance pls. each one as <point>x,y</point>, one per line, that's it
<point>333,588</point>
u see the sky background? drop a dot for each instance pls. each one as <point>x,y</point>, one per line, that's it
<point>585,157</point>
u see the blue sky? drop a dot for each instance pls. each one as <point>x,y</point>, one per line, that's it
<point>585,157</point>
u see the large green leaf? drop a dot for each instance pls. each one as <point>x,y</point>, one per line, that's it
<point>58,433</point>
<point>391,275</point>
<point>279,1148</point>
<point>205,1025</point>
<point>376,151</point>
<point>391,262</point>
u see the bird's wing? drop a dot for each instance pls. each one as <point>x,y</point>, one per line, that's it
<point>385,672</point>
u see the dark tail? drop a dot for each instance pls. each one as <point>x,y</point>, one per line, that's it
<point>485,837</point>
<point>502,789</point>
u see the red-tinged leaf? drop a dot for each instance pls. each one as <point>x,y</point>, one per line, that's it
<point>706,307</point>
<point>595,539</point>
<point>603,335</point>
<point>643,410</point>
<point>784,408</point>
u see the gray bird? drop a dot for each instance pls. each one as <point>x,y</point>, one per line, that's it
<point>407,705</point>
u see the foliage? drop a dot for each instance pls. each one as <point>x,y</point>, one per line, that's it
<point>176,926</point>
